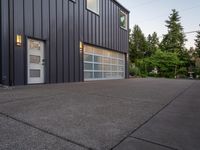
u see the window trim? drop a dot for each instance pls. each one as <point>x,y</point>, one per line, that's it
<point>89,9</point>
<point>126,17</point>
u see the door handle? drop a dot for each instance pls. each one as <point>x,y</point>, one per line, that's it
<point>43,61</point>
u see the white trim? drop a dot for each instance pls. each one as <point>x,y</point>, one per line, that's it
<point>126,17</point>
<point>92,10</point>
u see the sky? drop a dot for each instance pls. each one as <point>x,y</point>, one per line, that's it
<point>150,15</point>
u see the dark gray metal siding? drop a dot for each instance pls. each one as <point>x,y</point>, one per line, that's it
<point>5,42</point>
<point>62,24</point>
<point>104,29</point>
<point>0,47</point>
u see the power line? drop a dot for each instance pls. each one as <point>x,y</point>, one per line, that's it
<point>192,32</point>
<point>182,10</point>
<point>189,32</point>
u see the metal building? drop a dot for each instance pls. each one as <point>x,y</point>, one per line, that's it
<point>55,41</point>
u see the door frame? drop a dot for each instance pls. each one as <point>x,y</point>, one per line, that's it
<point>26,59</point>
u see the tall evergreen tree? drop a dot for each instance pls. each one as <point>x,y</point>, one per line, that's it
<point>152,43</point>
<point>155,40</point>
<point>197,44</point>
<point>137,44</point>
<point>174,40</point>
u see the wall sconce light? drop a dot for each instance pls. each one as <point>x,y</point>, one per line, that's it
<point>81,45</point>
<point>19,40</point>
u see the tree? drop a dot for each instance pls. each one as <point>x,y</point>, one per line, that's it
<point>152,43</point>
<point>137,44</point>
<point>197,44</point>
<point>174,40</point>
<point>155,40</point>
<point>165,62</point>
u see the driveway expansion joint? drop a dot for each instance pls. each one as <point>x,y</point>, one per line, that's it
<point>45,131</point>
<point>155,143</point>
<point>140,126</point>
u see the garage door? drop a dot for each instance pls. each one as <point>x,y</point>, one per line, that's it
<point>102,64</point>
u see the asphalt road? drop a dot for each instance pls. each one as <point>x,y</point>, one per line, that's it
<point>134,114</point>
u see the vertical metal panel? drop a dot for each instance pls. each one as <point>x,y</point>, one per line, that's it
<point>94,41</point>
<point>29,21</point>
<point>45,36</point>
<point>104,22</point>
<point>5,42</point>
<point>0,43</point>
<point>76,42</point>
<point>107,23</point>
<point>89,25</point>
<point>53,50</point>
<point>81,19</point>
<point>19,55</point>
<point>59,42</point>
<point>120,38</point>
<point>37,9</point>
<point>111,25</point>
<point>81,36</point>
<point>11,42</point>
<point>97,29</point>
<point>71,41</point>
<point>28,14</point>
<point>116,28</point>
<point>85,24</point>
<point>66,40</point>
<point>127,35</point>
<point>101,23</point>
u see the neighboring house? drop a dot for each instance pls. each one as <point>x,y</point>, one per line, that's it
<point>55,41</point>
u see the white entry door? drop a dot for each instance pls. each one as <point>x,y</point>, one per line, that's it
<point>35,61</point>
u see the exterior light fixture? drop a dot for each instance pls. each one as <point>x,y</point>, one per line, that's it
<point>81,45</point>
<point>19,40</point>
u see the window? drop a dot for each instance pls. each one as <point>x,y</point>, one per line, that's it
<point>123,20</point>
<point>93,5</point>
<point>102,64</point>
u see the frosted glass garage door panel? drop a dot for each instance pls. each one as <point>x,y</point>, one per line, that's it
<point>102,64</point>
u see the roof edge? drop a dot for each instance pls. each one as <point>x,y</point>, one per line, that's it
<point>122,6</point>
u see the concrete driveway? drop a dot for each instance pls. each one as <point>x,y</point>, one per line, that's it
<point>134,114</point>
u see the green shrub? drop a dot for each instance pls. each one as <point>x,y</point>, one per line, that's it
<point>134,71</point>
<point>143,75</point>
<point>197,73</point>
<point>182,71</point>
<point>151,74</point>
